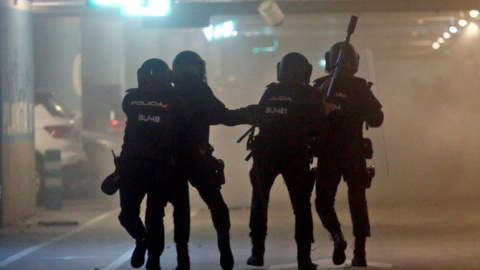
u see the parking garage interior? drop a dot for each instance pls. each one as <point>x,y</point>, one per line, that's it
<point>422,57</point>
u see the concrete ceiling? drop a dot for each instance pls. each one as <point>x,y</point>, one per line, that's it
<point>408,26</point>
<point>222,7</point>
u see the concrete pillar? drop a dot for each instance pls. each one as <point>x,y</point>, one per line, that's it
<point>17,153</point>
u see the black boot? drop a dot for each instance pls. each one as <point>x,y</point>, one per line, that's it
<point>183,259</point>
<point>226,255</point>
<point>258,250</point>
<point>359,253</point>
<point>339,246</point>
<point>303,257</point>
<point>153,261</point>
<point>138,255</point>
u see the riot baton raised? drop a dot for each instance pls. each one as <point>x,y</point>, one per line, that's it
<point>350,30</point>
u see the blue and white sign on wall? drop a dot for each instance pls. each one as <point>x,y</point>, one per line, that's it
<point>16,76</point>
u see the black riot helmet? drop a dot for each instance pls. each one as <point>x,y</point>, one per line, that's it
<point>188,62</point>
<point>294,68</point>
<point>154,73</point>
<point>350,58</point>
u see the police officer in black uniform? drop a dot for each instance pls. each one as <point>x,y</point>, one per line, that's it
<point>343,150</point>
<point>156,118</point>
<point>290,113</point>
<point>198,166</point>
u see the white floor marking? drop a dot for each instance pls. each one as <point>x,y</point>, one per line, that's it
<point>30,250</point>
<point>70,257</point>
<point>121,260</point>
<point>327,263</point>
<point>126,256</point>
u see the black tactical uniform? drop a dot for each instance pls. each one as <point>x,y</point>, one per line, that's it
<point>156,118</point>
<point>198,166</point>
<point>342,153</point>
<point>290,113</point>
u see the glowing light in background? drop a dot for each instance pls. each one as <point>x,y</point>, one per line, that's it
<point>474,13</point>
<point>446,35</point>
<point>272,48</point>
<point>208,32</point>
<point>135,7</point>
<point>441,40</point>
<point>223,30</point>
<point>469,37</point>
<point>105,3</point>
<point>322,63</point>
<point>472,30</point>
<point>453,29</point>
<point>462,22</point>
<point>436,45</point>
<point>156,8</point>
<point>220,31</point>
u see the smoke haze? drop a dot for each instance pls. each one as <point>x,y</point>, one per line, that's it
<point>427,150</point>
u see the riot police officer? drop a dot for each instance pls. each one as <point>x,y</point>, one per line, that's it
<point>290,114</point>
<point>343,150</point>
<point>156,118</point>
<point>198,166</point>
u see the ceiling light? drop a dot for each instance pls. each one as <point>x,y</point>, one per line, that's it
<point>453,29</point>
<point>462,22</point>
<point>441,40</point>
<point>436,45</point>
<point>474,13</point>
<point>446,35</point>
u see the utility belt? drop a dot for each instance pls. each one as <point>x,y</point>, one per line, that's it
<point>364,151</point>
<point>367,178</point>
<point>367,148</point>
<point>361,149</point>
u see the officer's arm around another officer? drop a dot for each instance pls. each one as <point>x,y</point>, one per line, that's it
<point>200,167</point>
<point>290,114</point>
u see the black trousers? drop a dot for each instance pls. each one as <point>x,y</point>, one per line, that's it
<point>199,174</point>
<point>181,210</point>
<point>299,181</point>
<point>330,173</point>
<point>140,178</point>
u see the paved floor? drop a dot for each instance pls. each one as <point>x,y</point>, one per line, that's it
<point>85,234</point>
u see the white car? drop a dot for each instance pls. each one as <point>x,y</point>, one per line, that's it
<point>57,128</point>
